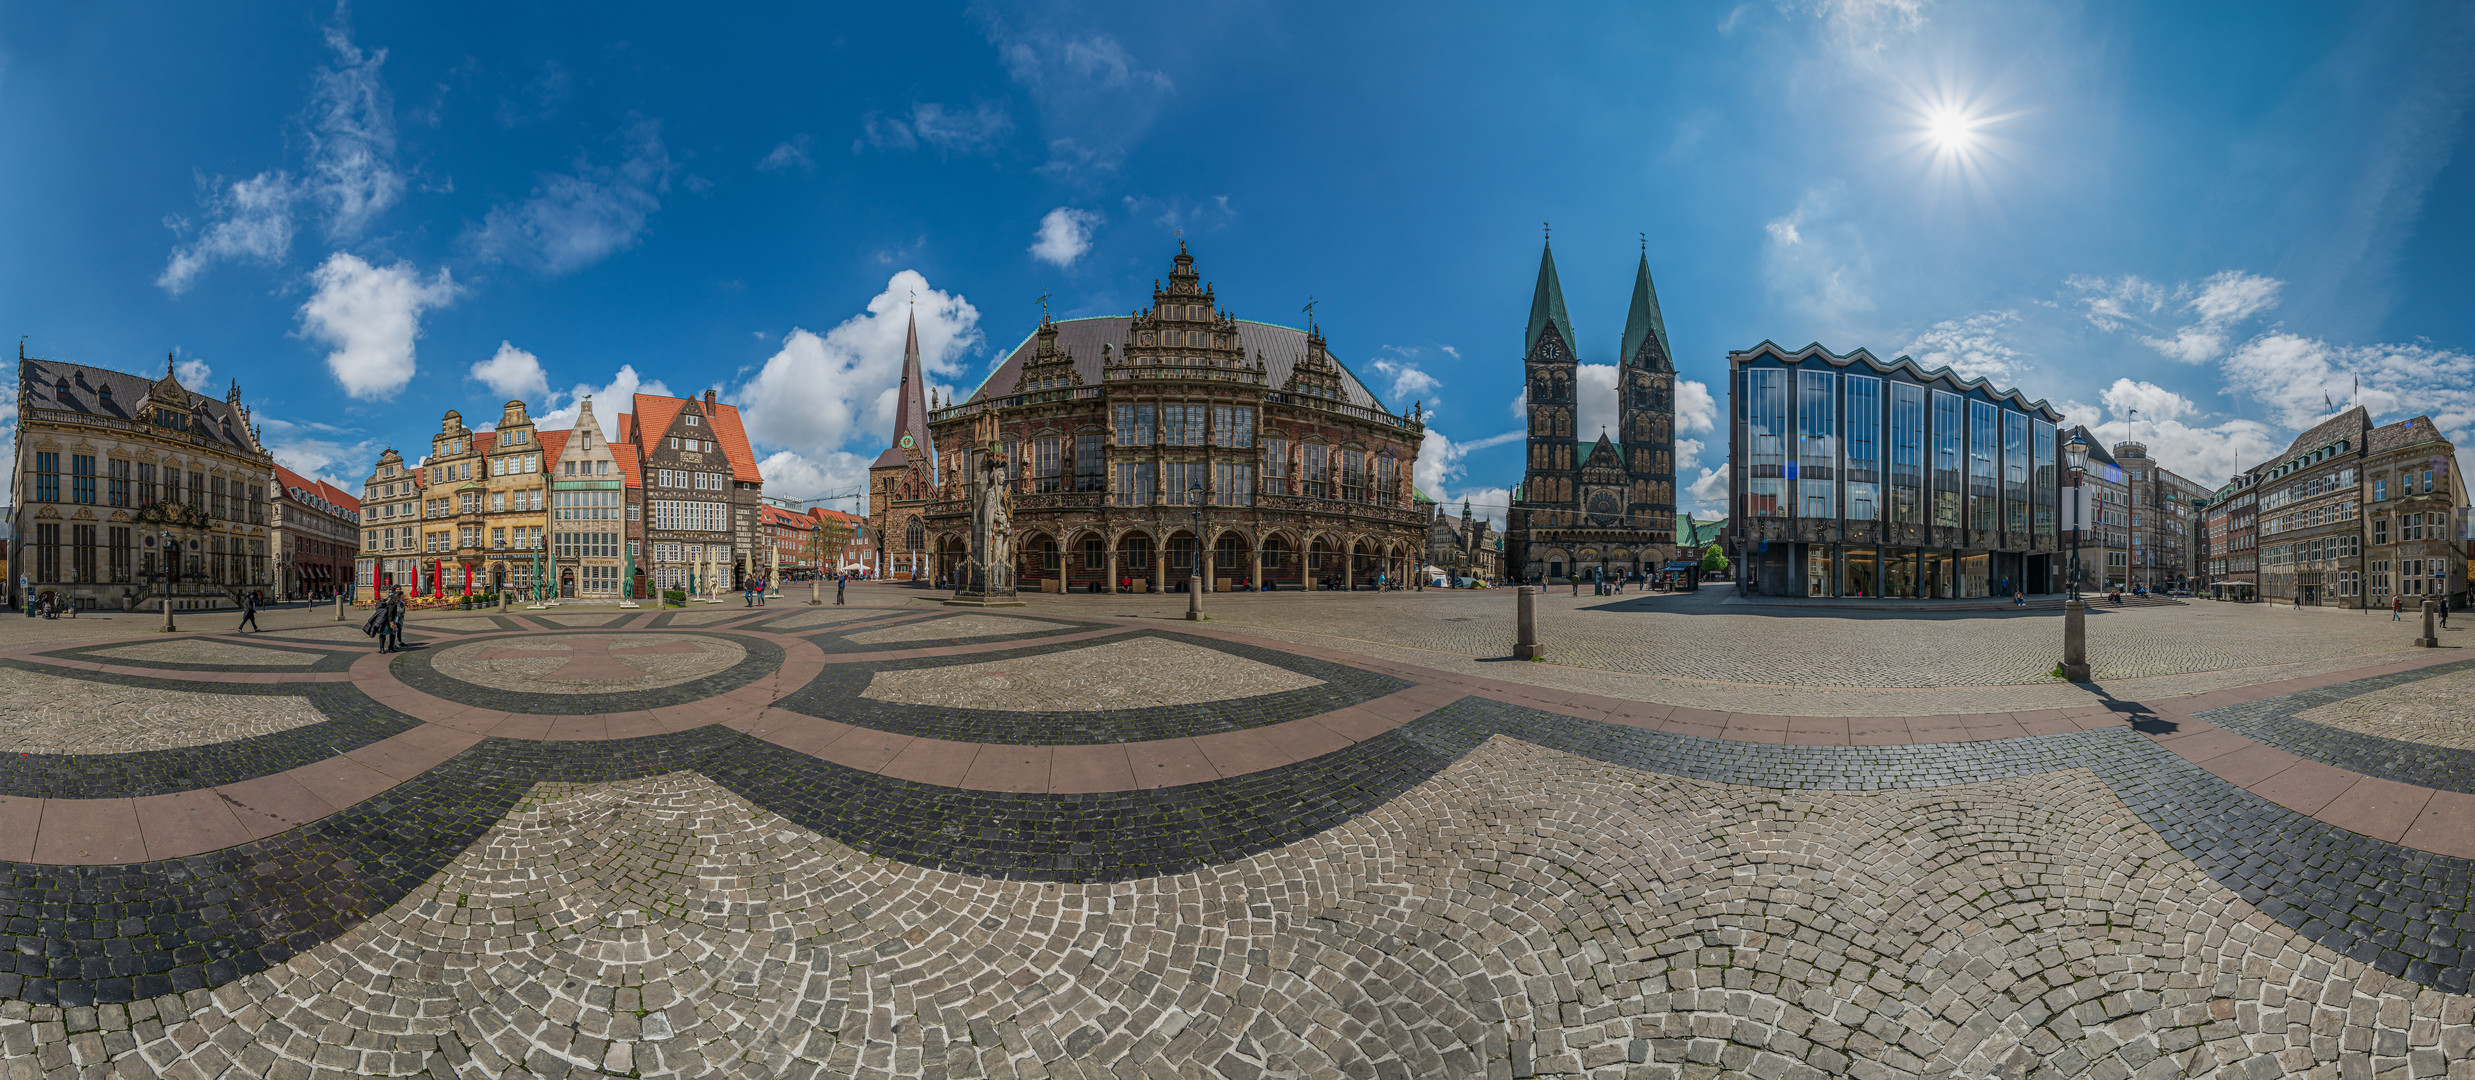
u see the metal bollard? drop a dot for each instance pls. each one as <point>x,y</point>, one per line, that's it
<point>2431,634</point>
<point>2075,641</point>
<point>1525,624</point>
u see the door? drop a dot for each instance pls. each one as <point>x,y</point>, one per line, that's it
<point>567,584</point>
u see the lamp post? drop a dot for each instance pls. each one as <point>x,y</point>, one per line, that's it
<point>2075,611</point>
<point>1194,566</point>
<point>171,576</point>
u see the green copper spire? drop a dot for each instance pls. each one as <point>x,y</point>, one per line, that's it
<point>1643,323</point>
<point>1547,306</point>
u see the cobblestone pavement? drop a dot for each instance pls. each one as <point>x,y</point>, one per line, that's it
<point>1067,843</point>
<point>2438,712</point>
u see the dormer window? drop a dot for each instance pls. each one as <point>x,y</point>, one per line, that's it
<point>64,384</point>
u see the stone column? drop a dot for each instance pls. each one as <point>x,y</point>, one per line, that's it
<point>1112,582</point>
<point>816,587</point>
<point>1194,598</point>
<point>1258,564</point>
<point>2075,641</point>
<point>1525,624</point>
<point>1160,569</point>
<point>2429,640</point>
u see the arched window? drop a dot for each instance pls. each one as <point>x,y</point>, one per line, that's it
<point>916,536</point>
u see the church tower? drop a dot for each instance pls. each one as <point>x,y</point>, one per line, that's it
<point>1646,407</point>
<point>900,478</point>
<point>1550,367</point>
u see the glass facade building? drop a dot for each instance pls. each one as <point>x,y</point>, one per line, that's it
<point>1854,477</point>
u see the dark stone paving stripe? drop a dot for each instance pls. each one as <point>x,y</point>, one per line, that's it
<point>327,659</point>
<point>354,721</point>
<point>835,695</point>
<point>2277,721</point>
<point>416,669</point>
<point>835,639</point>
<point>83,934</point>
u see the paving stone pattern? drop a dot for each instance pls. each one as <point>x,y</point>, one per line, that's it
<point>1523,913</point>
<point>208,651</point>
<point>840,694</point>
<point>417,669</point>
<point>2439,711</point>
<point>548,664</point>
<point>955,628</point>
<point>44,711</point>
<point>2298,723</point>
<point>1123,673</point>
<point>346,720</point>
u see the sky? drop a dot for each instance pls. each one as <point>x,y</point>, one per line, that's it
<point>2203,226</point>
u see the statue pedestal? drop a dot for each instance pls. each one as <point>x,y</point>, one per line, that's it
<point>979,591</point>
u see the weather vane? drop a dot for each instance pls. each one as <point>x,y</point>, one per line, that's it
<point>1044,295</point>
<point>1645,243</point>
<point>1309,309</point>
<point>1547,230</point>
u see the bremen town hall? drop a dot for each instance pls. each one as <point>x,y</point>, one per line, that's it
<point>1146,449</point>
<point>1592,506</point>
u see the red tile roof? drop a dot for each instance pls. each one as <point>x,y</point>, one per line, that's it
<point>337,496</point>
<point>654,415</point>
<point>630,465</point>
<point>775,515</point>
<point>553,443</point>
<point>733,436</point>
<point>333,495</point>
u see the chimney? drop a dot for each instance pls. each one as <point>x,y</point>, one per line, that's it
<point>708,399</point>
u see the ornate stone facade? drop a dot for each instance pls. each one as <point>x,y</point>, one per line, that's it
<point>108,464</point>
<point>1180,440</point>
<point>1588,504</point>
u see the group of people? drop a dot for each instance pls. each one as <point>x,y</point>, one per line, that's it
<point>386,623</point>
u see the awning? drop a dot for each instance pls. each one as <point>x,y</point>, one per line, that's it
<point>1681,566</point>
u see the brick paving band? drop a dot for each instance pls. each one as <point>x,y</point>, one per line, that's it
<point>257,892</point>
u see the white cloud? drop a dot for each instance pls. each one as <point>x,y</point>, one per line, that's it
<point>1972,347</point>
<point>1521,404</point>
<point>350,131</point>
<point>1696,410</point>
<point>2147,400</point>
<point>351,127</point>
<point>789,155</point>
<point>836,391</point>
<point>2217,304</point>
<point>252,220</point>
<point>979,129</point>
<point>194,374</point>
<point>1817,263</point>
<point>1442,462</point>
<point>1176,214</point>
<point>1594,402</point>
<point>1095,99</point>
<point>370,315</point>
<point>1065,234</point>
<point>1709,493</point>
<point>793,475</point>
<point>319,451</point>
<point>1410,384</point>
<point>2305,379</point>
<point>574,220</point>
<point>609,400</point>
<point>513,373</point>
<point>1868,25</point>
<point>2112,303</point>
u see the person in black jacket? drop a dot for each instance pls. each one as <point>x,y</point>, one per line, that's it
<point>249,614</point>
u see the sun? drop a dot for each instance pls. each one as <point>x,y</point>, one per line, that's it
<point>1952,130</point>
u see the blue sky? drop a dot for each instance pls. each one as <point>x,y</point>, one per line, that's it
<point>2220,216</point>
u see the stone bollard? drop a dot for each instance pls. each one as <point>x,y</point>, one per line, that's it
<point>502,601</point>
<point>339,607</point>
<point>167,614</point>
<point>1194,598</point>
<point>2075,641</point>
<point>2431,634</point>
<point>813,594</point>
<point>1525,624</point>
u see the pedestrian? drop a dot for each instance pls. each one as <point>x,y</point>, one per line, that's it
<point>2397,608</point>
<point>249,614</point>
<point>841,582</point>
<point>2444,606</point>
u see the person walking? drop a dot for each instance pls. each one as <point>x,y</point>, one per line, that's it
<point>2397,608</point>
<point>2444,606</point>
<point>841,581</point>
<point>249,614</point>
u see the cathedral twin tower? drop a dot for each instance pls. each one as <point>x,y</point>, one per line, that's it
<point>1589,504</point>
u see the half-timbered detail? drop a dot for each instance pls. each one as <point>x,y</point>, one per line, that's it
<point>1178,441</point>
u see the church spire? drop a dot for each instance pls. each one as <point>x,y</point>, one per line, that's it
<point>1547,305</point>
<point>1643,325</point>
<point>911,401</point>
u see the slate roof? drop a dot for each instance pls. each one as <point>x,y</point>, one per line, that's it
<point>2405,433</point>
<point>40,386</point>
<point>1643,322</point>
<point>1282,348</point>
<point>2348,424</point>
<point>910,403</point>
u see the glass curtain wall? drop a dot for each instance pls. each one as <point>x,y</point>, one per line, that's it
<point>2045,497</point>
<point>1984,448</point>
<point>1864,447</point>
<point>1950,423</point>
<point>1907,454</point>
<point>2015,473</point>
<point>1765,391</point>
<point>1817,446</point>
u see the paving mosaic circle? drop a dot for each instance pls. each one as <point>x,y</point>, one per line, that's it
<point>585,672</point>
<point>587,663</point>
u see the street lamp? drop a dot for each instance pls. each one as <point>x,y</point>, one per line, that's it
<point>2075,454</point>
